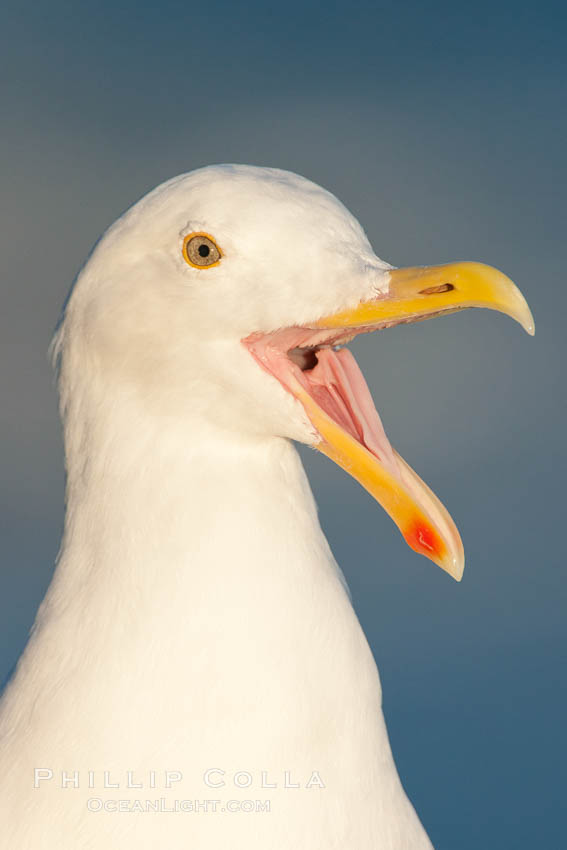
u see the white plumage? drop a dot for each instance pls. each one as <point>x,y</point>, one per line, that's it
<point>197,620</point>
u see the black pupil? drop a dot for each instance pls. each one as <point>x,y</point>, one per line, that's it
<point>204,250</point>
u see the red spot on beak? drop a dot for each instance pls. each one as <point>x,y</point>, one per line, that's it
<point>424,539</point>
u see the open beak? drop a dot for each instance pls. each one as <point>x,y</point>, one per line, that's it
<point>333,392</point>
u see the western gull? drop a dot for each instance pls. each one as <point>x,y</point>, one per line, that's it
<point>196,675</point>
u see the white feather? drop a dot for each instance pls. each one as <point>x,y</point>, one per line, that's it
<point>197,618</point>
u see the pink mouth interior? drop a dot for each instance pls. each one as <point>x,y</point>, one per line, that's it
<point>332,379</point>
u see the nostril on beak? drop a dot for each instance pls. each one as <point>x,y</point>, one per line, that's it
<point>434,290</point>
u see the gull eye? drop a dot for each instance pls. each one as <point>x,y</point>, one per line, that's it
<point>201,251</point>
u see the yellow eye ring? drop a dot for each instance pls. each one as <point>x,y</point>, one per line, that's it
<point>201,251</point>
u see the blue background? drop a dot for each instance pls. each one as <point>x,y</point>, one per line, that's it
<point>442,126</point>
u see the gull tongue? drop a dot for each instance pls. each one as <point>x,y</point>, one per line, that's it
<point>337,400</point>
<point>338,403</point>
<point>340,374</point>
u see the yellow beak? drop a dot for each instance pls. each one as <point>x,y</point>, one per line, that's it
<point>421,292</point>
<point>414,294</point>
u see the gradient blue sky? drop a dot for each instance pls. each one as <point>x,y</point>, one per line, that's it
<point>443,127</point>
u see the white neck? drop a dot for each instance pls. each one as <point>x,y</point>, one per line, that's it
<point>197,620</point>
<point>178,518</point>
<point>178,539</point>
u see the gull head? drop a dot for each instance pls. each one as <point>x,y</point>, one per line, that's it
<point>223,301</point>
